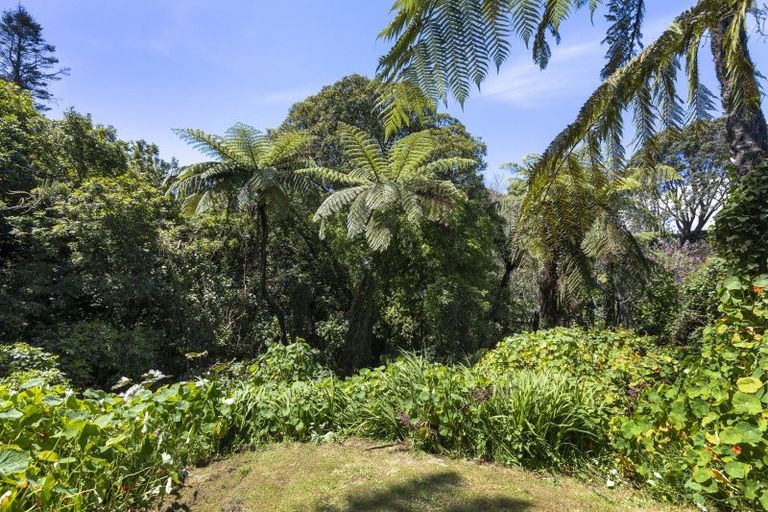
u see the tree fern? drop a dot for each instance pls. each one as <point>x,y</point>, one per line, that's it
<point>384,186</point>
<point>250,171</point>
<point>444,46</point>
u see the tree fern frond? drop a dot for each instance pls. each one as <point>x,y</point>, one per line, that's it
<point>377,234</point>
<point>284,149</point>
<point>329,175</point>
<point>210,145</point>
<point>382,196</point>
<point>358,214</point>
<point>409,153</point>
<point>444,165</point>
<point>624,35</point>
<point>363,152</point>
<point>337,201</point>
<point>399,103</point>
<point>243,142</point>
<point>619,88</point>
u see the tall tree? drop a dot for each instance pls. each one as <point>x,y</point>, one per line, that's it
<point>26,59</point>
<point>383,190</point>
<point>250,172</point>
<point>686,197</point>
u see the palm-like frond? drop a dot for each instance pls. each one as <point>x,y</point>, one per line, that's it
<point>382,186</point>
<point>576,220</point>
<point>213,146</point>
<point>410,153</point>
<point>445,46</point>
<point>399,103</point>
<point>363,152</point>
<point>331,176</point>
<point>247,166</point>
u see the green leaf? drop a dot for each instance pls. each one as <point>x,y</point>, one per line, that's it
<point>732,283</point>
<point>13,462</point>
<point>33,383</point>
<point>742,432</point>
<point>701,475</point>
<point>746,403</point>
<point>749,384</point>
<point>48,456</point>
<point>11,414</point>
<point>736,469</point>
<point>764,500</point>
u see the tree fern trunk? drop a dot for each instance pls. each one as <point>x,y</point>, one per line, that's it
<point>746,129</point>
<point>549,305</point>
<point>271,304</point>
<point>358,349</point>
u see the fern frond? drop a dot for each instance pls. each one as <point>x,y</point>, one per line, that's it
<point>210,145</point>
<point>337,201</point>
<point>377,234</point>
<point>401,102</point>
<point>409,153</point>
<point>329,175</point>
<point>363,152</point>
<point>358,214</point>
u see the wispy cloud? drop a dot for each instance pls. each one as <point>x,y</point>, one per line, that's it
<point>522,84</point>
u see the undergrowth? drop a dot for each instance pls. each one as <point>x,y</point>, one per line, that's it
<point>689,430</point>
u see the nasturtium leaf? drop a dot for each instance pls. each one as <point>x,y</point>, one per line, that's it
<point>12,462</point>
<point>732,283</point>
<point>736,469</point>
<point>761,281</point>
<point>749,384</point>
<point>701,475</point>
<point>11,414</point>
<point>742,432</point>
<point>764,500</point>
<point>746,403</point>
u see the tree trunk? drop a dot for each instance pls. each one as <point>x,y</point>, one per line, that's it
<point>745,125</point>
<point>358,349</point>
<point>271,304</point>
<point>549,305</point>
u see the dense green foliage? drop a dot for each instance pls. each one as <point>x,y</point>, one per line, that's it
<point>742,225</point>
<point>619,364</point>
<point>704,434</point>
<point>98,450</point>
<point>362,225</point>
<point>106,270</point>
<point>21,362</point>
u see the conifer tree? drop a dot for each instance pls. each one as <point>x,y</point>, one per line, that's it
<point>26,59</point>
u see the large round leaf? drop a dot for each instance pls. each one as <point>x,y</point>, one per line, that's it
<point>13,462</point>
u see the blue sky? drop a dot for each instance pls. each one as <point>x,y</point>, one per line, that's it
<point>147,66</point>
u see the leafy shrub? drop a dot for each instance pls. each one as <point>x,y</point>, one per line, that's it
<point>706,434</point>
<point>287,363</point>
<point>618,363</point>
<point>657,305</point>
<point>21,362</point>
<point>741,227</point>
<point>698,303</point>
<point>95,352</point>
<point>99,451</point>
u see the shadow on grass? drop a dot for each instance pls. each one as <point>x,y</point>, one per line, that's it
<point>431,492</point>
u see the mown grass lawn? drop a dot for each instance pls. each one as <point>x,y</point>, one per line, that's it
<point>362,476</point>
